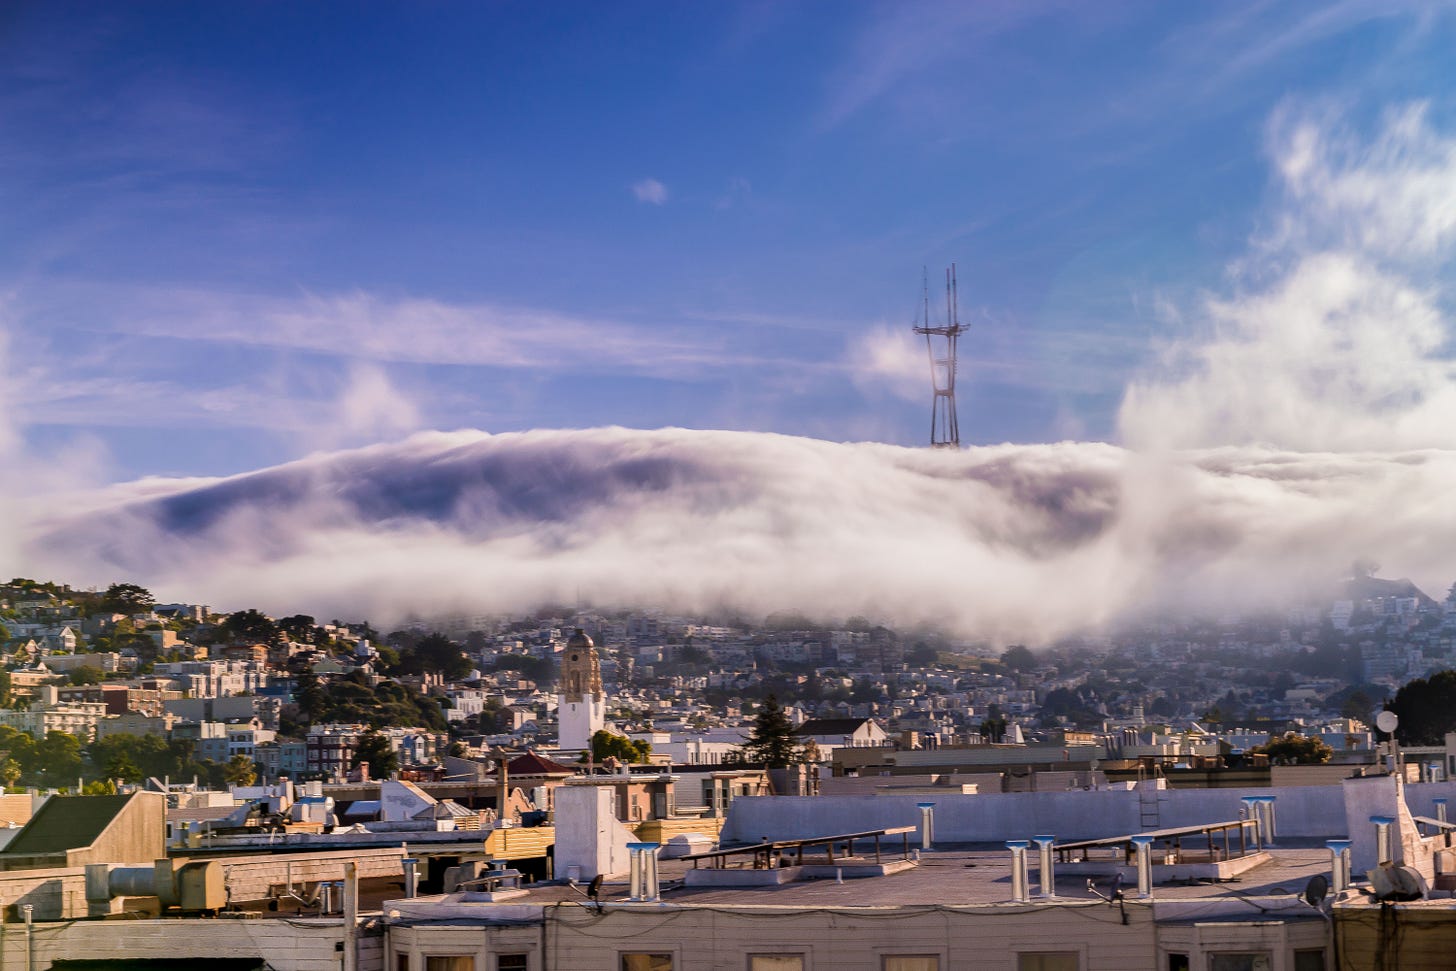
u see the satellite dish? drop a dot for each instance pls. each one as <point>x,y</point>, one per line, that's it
<point>1316,890</point>
<point>1386,721</point>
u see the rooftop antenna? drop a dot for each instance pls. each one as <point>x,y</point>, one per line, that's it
<point>944,429</point>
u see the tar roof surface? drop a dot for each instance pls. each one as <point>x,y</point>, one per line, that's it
<point>952,878</point>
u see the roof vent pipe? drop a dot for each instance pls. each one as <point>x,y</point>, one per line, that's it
<point>1044,874</point>
<point>1019,893</point>
<point>1251,811</point>
<point>1339,864</point>
<point>927,824</point>
<point>1266,803</point>
<point>1144,847</point>
<point>643,886</point>
<point>411,877</point>
<point>1382,838</point>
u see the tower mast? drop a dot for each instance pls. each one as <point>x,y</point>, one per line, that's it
<point>944,429</point>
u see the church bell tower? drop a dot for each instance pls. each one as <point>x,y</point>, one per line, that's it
<point>581,705</point>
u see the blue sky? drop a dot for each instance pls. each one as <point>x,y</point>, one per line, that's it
<point>236,233</point>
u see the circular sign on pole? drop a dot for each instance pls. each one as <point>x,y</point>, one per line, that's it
<point>1386,721</point>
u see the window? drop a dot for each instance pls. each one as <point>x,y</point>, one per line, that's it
<point>511,962</point>
<point>401,962</point>
<point>450,962</point>
<point>776,962</point>
<point>646,962</point>
<point>1178,962</point>
<point>1240,962</point>
<point>910,962</point>
<point>1048,961</point>
<point>1313,960</point>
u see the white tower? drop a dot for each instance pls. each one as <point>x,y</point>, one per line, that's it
<point>581,707</point>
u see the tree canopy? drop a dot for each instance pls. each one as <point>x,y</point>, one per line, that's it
<point>1427,709</point>
<point>772,741</point>
<point>609,745</point>
<point>1295,749</point>
<point>375,751</point>
<point>127,598</point>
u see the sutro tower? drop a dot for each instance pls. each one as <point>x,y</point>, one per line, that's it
<point>944,430</point>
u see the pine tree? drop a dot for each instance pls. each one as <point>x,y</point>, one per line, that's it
<point>772,741</point>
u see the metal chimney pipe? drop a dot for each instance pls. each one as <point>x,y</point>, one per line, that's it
<point>927,824</point>
<point>411,877</point>
<point>1441,809</point>
<point>650,889</point>
<point>1044,874</point>
<point>28,910</point>
<point>1144,847</point>
<point>351,916</point>
<point>1019,893</point>
<point>1339,864</point>
<point>1382,838</point>
<point>1267,802</point>
<point>636,879</point>
<point>1251,811</point>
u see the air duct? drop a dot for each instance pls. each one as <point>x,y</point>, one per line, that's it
<point>194,887</point>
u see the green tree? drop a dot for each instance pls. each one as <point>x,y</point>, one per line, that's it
<point>1358,706</point>
<point>239,771</point>
<point>57,757</point>
<point>308,693</point>
<point>1295,749</point>
<point>1427,709</point>
<point>127,598</point>
<point>375,750</point>
<point>86,674</point>
<point>300,628</point>
<point>1018,657</point>
<point>609,745</point>
<point>9,772</point>
<point>252,626</point>
<point>772,741</point>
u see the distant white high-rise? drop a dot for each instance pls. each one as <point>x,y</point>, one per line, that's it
<point>581,706</point>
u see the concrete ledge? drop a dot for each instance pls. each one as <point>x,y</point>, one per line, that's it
<point>854,871</point>
<point>1167,872</point>
<point>705,877</point>
<point>790,874</point>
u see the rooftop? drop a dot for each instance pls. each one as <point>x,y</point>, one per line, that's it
<point>958,878</point>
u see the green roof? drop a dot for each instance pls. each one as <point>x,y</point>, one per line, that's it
<point>66,823</point>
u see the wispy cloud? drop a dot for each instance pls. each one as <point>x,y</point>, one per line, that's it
<point>650,191</point>
<point>1339,339</point>
<point>418,330</point>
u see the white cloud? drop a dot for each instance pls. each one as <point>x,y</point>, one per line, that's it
<point>1343,341</point>
<point>1006,542</point>
<point>650,190</point>
<point>891,358</point>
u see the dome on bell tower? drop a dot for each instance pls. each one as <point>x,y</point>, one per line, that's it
<point>581,670</point>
